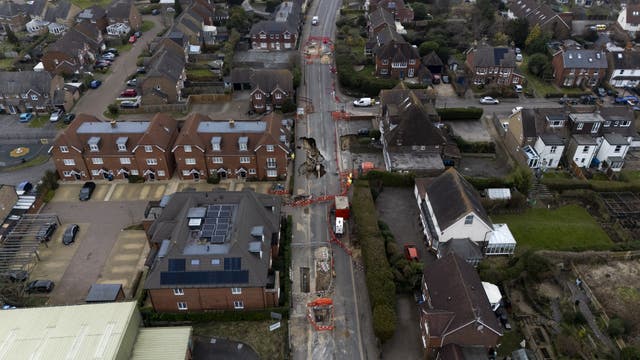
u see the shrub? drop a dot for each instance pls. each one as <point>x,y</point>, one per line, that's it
<point>391,178</point>
<point>113,109</point>
<point>481,183</point>
<point>288,106</point>
<point>384,322</point>
<point>520,178</point>
<point>135,179</point>
<point>630,353</point>
<point>470,113</point>
<point>248,315</point>
<point>49,195</point>
<point>213,179</point>
<point>484,147</point>
<point>617,327</point>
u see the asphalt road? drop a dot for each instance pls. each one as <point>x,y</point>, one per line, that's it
<point>95,101</point>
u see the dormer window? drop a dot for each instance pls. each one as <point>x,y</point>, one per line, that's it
<point>258,96</point>
<point>580,126</point>
<point>148,148</point>
<point>94,143</point>
<point>215,143</point>
<point>34,97</point>
<point>121,142</point>
<point>64,149</point>
<point>187,148</point>
<point>243,142</point>
<point>270,148</point>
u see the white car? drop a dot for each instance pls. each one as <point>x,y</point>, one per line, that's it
<point>315,20</point>
<point>363,102</point>
<point>518,88</point>
<point>55,116</point>
<point>516,109</point>
<point>489,100</point>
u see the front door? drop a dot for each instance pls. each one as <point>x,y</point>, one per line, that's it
<point>196,175</point>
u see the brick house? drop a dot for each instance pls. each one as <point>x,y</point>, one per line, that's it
<point>76,50</point>
<point>220,253</point>
<point>401,12</point>
<point>280,33</point>
<point>124,12</point>
<point>165,76</point>
<point>488,64</point>
<point>542,15</point>
<point>625,68</point>
<point>629,18</point>
<point>232,149</point>
<point>28,91</point>
<point>455,308</point>
<point>270,88</point>
<point>397,60</point>
<point>579,67</point>
<point>94,149</point>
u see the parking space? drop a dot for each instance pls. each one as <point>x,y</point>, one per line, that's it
<point>471,130</point>
<point>125,260</point>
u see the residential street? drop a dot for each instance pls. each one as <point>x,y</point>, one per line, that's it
<point>95,101</point>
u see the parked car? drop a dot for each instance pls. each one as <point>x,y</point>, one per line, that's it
<point>24,188</point>
<point>445,79</point>
<point>42,286</point>
<point>133,82</point>
<point>129,104</point>
<point>518,57</point>
<point>363,132</point>
<point>26,117</point>
<point>141,70</point>
<point>518,88</point>
<point>601,92</point>
<point>132,39</point>
<point>94,84</point>
<point>137,34</point>
<point>46,231</point>
<point>108,56</point>
<point>315,20</point>
<point>113,51</point>
<point>516,109</point>
<point>566,100</point>
<point>129,93</point>
<point>87,190</point>
<point>101,66</point>
<point>56,115</point>
<point>363,102</point>
<point>489,100</point>
<point>588,99</point>
<point>16,275</point>
<point>155,12</point>
<point>70,233</point>
<point>411,252</point>
<point>69,118</point>
<point>629,99</point>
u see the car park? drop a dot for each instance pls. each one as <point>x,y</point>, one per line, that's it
<point>411,252</point>
<point>70,233</point>
<point>363,102</point>
<point>41,286</point>
<point>56,115</point>
<point>26,117</point>
<point>46,231</point>
<point>87,190</point>
<point>129,93</point>
<point>94,84</point>
<point>68,118</point>
<point>488,100</point>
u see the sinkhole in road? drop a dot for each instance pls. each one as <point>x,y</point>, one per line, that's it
<point>314,161</point>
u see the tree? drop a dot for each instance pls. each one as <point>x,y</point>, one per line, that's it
<point>271,5</point>
<point>536,41</point>
<point>178,8</point>
<point>420,11</point>
<point>11,36</point>
<point>538,64</point>
<point>518,30</point>
<point>500,38</point>
<point>238,20</point>
<point>427,47</point>
<point>630,353</point>
<point>521,179</point>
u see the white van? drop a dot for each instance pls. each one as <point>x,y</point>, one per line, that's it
<point>363,102</point>
<point>339,226</point>
<point>315,20</point>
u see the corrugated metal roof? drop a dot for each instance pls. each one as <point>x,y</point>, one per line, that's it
<point>91,331</point>
<point>168,343</point>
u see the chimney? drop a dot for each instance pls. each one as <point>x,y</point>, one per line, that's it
<point>113,124</point>
<point>232,123</point>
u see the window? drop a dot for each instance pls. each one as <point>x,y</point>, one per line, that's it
<point>135,172</point>
<point>270,148</point>
<point>186,172</point>
<point>412,61</point>
<point>238,305</point>
<point>97,161</point>
<point>122,147</point>
<point>64,149</point>
<point>553,149</point>
<point>178,292</point>
<point>95,172</point>
<point>125,161</point>
<point>258,96</point>
<point>585,149</point>
<point>617,148</point>
<point>152,161</point>
<point>287,36</point>
<point>161,173</point>
<point>468,220</point>
<point>272,173</point>
<point>215,261</point>
<point>580,126</point>
<point>626,123</point>
<point>34,97</point>
<point>182,305</point>
<point>217,160</point>
<point>243,146</point>
<point>236,291</point>
<point>271,163</point>
<point>69,162</point>
<point>607,123</point>
<point>385,62</point>
<point>195,262</point>
<point>94,147</point>
<point>595,127</point>
<point>187,148</point>
<point>148,148</point>
<point>190,161</point>
<point>556,123</point>
<point>245,160</point>
<point>216,147</point>
<point>278,96</point>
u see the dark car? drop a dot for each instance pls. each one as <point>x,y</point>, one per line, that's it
<point>588,99</point>
<point>16,275</point>
<point>46,231</point>
<point>363,132</point>
<point>602,92</point>
<point>113,51</point>
<point>68,118</point>
<point>70,233</point>
<point>87,190</point>
<point>42,286</point>
<point>141,70</point>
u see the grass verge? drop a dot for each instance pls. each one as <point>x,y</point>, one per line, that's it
<point>147,25</point>
<point>268,344</point>
<point>567,228</point>
<point>38,121</point>
<point>38,160</point>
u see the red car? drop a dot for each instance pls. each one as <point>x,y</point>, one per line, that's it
<point>411,252</point>
<point>129,93</point>
<point>132,39</point>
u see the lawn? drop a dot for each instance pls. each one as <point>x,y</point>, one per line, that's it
<point>6,64</point>
<point>147,25</point>
<point>542,87</point>
<point>268,344</point>
<point>567,228</point>
<point>83,4</point>
<point>39,121</point>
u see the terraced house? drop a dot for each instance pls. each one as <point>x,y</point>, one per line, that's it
<point>279,33</point>
<point>232,148</point>
<point>94,149</point>
<point>488,64</point>
<point>28,91</point>
<point>579,67</point>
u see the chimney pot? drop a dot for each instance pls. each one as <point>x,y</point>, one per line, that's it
<point>232,123</point>
<point>113,123</point>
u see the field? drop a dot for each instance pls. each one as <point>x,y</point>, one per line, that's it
<point>268,344</point>
<point>567,228</point>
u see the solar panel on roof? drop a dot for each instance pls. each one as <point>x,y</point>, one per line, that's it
<point>204,277</point>
<point>220,233</point>
<point>217,239</point>
<point>177,265</point>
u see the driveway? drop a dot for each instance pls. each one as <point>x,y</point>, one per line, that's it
<point>95,101</point>
<point>205,348</point>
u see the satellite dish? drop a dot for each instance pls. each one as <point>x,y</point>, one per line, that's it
<point>480,327</point>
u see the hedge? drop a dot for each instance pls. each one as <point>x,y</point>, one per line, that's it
<point>481,183</point>
<point>469,113</point>
<point>151,316</point>
<point>595,185</point>
<point>379,276</point>
<point>485,147</point>
<point>391,178</point>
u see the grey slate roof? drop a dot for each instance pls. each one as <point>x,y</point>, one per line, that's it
<point>486,56</point>
<point>381,17</point>
<point>166,62</point>
<point>75,39</point>
<point>92,13</point>
<point>10,9</point>
<point>269,79</point>
<point>534,13</point>
<point>551,139</point>
<point>451,197</point>
<point>59,10</point>
<point>19,82</point>
<point>272,27</point>
<point>583,139</point>
<point>397,51</point>
<point>464,248</point>
<point>584,59</point>
<point>432,59</point>
<point>616,139</point>
<point>238,127</point>
<point>250,209</point>
<point>119,10</point>
<point>103,292</point>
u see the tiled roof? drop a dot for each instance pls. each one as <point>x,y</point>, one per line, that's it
<point>584,59</point>
<point>18,82</point>
<point>486,56</point>
<point>626,60</point>
<point>533,12</point>
<point>119,10</point>
<point>59,10</point>
<point>268,80</point>
<point>396,51</point>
